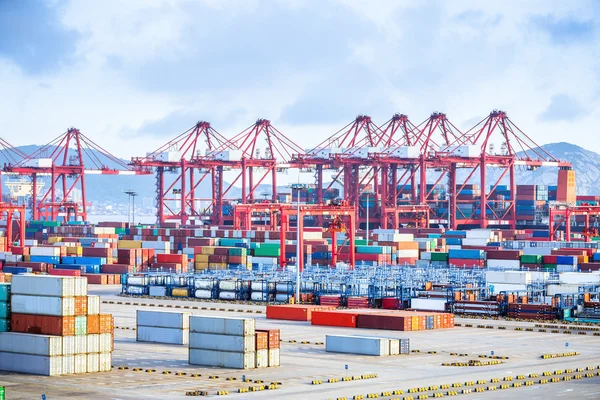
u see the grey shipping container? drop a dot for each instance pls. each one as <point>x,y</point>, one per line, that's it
<point>225,359</point>
<point>25,343</point>
<point>159,291</point>
<point>162,335</point>
<point>31,364</point>
<point>209,341</point>
<point>404,346</point>
<point>163,319</point>
<point>223,326</point>
<point>369,346</point>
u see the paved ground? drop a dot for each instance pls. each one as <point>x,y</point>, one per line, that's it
<point>303,363</point>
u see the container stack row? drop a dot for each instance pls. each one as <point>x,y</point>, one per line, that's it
<point>231,343</point>
<point>56,328</point>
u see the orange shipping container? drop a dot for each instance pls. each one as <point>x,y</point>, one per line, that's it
<point>106,323</point>
<point>93,324</point>
<point>80,305</point>
<point>334,318</point>
<point>262,340</point>
<point>274,337</point>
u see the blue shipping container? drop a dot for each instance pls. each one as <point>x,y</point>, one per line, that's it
<point>467,254</point>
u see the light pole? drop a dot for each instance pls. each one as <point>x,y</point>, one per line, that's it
<point>132,195</point>
<point>298,187</point>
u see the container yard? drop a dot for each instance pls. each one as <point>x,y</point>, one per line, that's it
<point>423,254</point>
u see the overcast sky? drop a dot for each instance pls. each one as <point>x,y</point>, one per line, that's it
<point>133,74</point>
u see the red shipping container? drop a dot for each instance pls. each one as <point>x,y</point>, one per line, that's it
<point>95,279</point>
<point>64,272</point>
<point>96,252</point>
<point>43,324</point>
<point>468,263</point>
<point>503,254</point>
<point>549,260</point>
<point>293,312</point>
<point>117,269</point>
<point>334,318</point>
<point>391,303</point>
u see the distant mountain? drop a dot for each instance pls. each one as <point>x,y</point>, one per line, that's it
<point>586,164</point>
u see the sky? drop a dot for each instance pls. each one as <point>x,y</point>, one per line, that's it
<point>131,75</point>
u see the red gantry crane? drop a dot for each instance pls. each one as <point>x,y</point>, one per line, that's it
<point>190,157</point>
<point>476,153</point>
<point>66,160</point>
<point>348,153</point>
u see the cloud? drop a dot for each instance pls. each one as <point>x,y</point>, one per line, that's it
<point>32,36</point>
<point>132,75</point>
<point>565,31</point>
<point>563,108</point>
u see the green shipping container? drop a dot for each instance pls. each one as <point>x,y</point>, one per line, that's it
<point>237,251</point>
<point>531,259</point>
<point>5,292</point>
<point>4,325</point>
<point>439,256</point>
<point>80,326</point>
<point>4,310</point>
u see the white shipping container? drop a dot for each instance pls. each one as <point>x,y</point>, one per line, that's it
<point>14,258</point>
<point>93,306</point>
<point>25,343</point>
<point>224,359</point>
<point>274,358</point>
<point>552,290</point>
<point>81,344</point>
<point>105,342</point>
<point>218,342</point>
<point>475,241</point>
<point>407,253</point>
<point>80,363</point>
<point>81,286</point>
<point>504,264</point>
<point>394,347</point>
<point>50,251</point>
<point>577,278</point>
<point>223,325</point>
<point>368,346</point>
<point>479,234</point>
<point>42,305</point>
<point>163,319</point>
<point>496,288</point>
<point>262,358</point>
<point>512,277</point>
<point>93,362</point>
<point>31,364</point>
<point>105,362</point>
<point>162,335</point>
<point>43,285</point>
<point>93,343</point>
<point>68,345</point>
<point>68,365</point>
<point>419,303</point>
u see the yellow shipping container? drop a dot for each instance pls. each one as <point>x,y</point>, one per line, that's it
<point>201,265</point>
<point>415,323</point>
<point>217,266</point>
<point>202,258</point>
<point>54,239</point>
<point>129,244</point>
<point>208,250</point>
<point>74,250</point>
